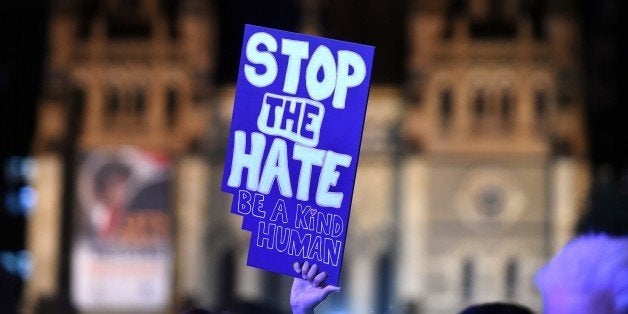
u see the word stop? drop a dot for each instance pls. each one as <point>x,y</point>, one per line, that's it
<point>347,69</point>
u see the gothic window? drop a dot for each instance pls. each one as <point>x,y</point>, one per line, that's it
<point>512,270</point>
<point>566,88</point>
<point>77,112</point>
<point>541,109</point>
<point>140,103</point>
<point>171,107</point>
<point>112,105</point>
<point>445,108</point>
<point>468,274</point>
<point>479,108</point>
<point>506,109</point>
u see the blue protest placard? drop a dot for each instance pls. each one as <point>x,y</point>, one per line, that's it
<point>294,143</point>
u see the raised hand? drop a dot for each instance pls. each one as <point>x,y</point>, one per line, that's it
<point>309,291</point>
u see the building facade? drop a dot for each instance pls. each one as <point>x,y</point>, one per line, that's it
<point>471,170</point>
<point>120,74</point>
<point>497,116</point>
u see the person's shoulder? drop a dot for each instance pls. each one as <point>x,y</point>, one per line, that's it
<point>589,261</point>
<point>596,248</point>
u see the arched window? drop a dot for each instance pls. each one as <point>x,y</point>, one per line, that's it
<point>140,103</point>
<point>511,278</point>
<point>541,110</point>
<point>445,108</point>
<point>540,105</point>
<point>112,106</point>
<point>479,108</point>
<point>171,107</point>
<point>468,274</point>
<point>506,109</point>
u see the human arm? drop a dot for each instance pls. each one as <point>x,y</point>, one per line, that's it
<point>309,290</point>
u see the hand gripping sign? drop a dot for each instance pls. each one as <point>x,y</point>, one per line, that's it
<point>294,143</point>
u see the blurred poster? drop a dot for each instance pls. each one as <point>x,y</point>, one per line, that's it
<point>122,254</point>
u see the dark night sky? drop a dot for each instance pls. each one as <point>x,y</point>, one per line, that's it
<point>22,40</point>
<point>23,44</point>
<point>606,87</point>
<point>22,34</point>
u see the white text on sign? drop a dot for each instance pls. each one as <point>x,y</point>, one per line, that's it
<point>294,118</point>
<point>261,177</point>
<point>338,74</point>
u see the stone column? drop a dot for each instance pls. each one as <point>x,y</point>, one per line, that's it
<point>524,113</point>
<point>191,199</point>
<point>411,263</point>
<point>489,272</point>
<point>249,284</point>
<point>361,284</point>
<point>563,201</point>
<point>44,231</point>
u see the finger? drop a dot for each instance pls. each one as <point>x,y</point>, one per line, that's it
<point>312,272</point>
<point>327,291</point>
<point>305,269</point>
<point>297,267</point>
<point>319,279</point>
<point>331,288</point>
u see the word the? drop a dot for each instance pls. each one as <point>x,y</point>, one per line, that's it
<point>294,118</point>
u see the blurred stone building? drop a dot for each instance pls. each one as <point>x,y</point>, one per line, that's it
<point>471,170</point>
<point>497,114</point>
<point>120,74</point>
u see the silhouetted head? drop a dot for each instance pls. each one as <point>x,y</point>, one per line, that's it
<point>196,311</point>
<point>497,308</point>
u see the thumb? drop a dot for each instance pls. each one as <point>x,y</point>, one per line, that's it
<point>327,291</point>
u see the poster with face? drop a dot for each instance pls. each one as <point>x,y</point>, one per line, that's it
<point>122,252</point>
<point>294,144</point>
